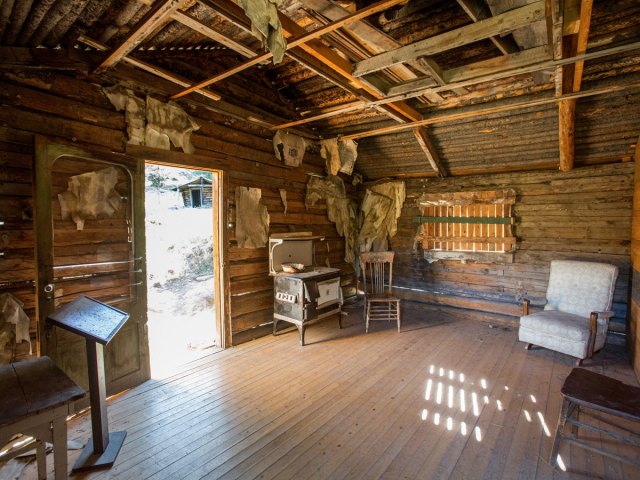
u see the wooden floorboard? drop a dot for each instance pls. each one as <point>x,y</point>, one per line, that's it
<point>454,395</point>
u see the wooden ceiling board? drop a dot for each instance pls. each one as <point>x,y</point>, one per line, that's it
<point>525,138</point>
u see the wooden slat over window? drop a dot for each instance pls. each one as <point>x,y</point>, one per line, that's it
<point>467,221</point>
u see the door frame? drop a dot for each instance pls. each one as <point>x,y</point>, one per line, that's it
<point>221,275</point>
<point>47,151</point>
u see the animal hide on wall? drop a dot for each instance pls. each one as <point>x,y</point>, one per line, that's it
<point>90,195</point>
<point>379,213</point>
<point>252,218</point>
<point>266,25</point>
<point>153,123</point>
<point>167,121</point>
<point>339,155</point>
<point>12,315</point>
<point>289,148</point>
<point>340,209</point>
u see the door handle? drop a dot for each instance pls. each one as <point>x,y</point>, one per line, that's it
<point>48,291</point>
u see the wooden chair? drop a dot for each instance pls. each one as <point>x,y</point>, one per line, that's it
<point>576,316</point>
<point>608,405</point>
<point>377,275</point>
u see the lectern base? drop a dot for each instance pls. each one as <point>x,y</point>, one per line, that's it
<point>92,461</point>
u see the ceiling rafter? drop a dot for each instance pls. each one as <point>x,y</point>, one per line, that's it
<point>371,39</point>
<point>422,136</point>
<point>477,112</point>
<point>332,66</point>
<point>504,23</point>
<point>159,15</point>
<point>147,67</point>
<point>555,19</point>
<point>527,61</point>
<point>217,104</point>
<point>477,10</point>
<point>576,44</point>
<point>514,68</point>
<point>432,67</point>
<point>195,24</point>
<point>297,41</point>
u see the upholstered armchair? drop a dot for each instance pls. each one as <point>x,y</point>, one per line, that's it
<point>576,316</point>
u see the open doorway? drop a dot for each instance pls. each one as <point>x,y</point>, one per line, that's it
<point>181,209</point>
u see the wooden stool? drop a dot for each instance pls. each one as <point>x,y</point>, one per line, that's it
<point>35,399</point>
<point>585,392</point>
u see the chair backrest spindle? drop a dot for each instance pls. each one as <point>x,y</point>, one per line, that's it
<point>377,269</point>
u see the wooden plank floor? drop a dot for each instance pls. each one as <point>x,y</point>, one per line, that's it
<point>454,395</point>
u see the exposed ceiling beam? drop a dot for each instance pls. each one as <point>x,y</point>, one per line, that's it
<point>566,133</point>
<point>159,15</point>
<point>294,42</point>
<point>195,24</point>
<point>373,40</point>
<point>332,62</point>
<point>581,46</point>
<point>129,76</point>
<point>477,10</point>
<point>504,23</point>
<point>450,117</point>
<point>407,113</point>
<point>571,19</point>
<point>434,70</point>
<point>422,135</point>
<point>554,20</point>
<point>571,83</point>
<point>487,69</point>
<point>636,155</point>
<point>40,58</point>
<point>487,73</point>
<point>413,88</point>
<point>147,67</point>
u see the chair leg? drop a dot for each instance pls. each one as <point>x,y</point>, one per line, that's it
<point>398,314</point>
<point>562,419</point>
<point>367,314</point>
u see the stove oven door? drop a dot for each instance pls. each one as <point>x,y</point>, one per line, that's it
<point>328,293</point>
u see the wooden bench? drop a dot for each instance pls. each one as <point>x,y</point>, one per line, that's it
<point>35,399</point>
<point>588,393</point>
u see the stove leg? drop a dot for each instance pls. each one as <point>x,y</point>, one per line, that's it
<point>301,329</point>
<point>275,326</point>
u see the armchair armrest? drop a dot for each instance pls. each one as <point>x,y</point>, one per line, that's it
<point>606,315</point>
<point>593,326</point>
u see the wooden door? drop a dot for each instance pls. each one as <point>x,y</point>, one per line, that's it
<point>90,241</point>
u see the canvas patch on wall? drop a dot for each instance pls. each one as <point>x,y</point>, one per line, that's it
<point>252,218</point>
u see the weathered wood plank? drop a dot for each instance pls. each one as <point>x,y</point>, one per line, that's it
<point>504,23</point>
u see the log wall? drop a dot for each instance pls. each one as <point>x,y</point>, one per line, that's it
<point>633,337</point>
<point>584,214</point>
<point>72,110</point>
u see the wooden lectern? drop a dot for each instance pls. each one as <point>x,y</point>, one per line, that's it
<point>97,323</point>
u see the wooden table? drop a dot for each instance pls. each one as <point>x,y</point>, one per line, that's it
<point>35,399</point>
<point>591,394</point>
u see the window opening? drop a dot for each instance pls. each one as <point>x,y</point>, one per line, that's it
<point>470,222</point>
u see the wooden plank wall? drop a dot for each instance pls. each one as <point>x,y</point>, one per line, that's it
<point>69,109</point>
<point>584,214</point>
<point>633,338</point>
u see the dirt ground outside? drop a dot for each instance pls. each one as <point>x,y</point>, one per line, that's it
<point>180,284</point>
